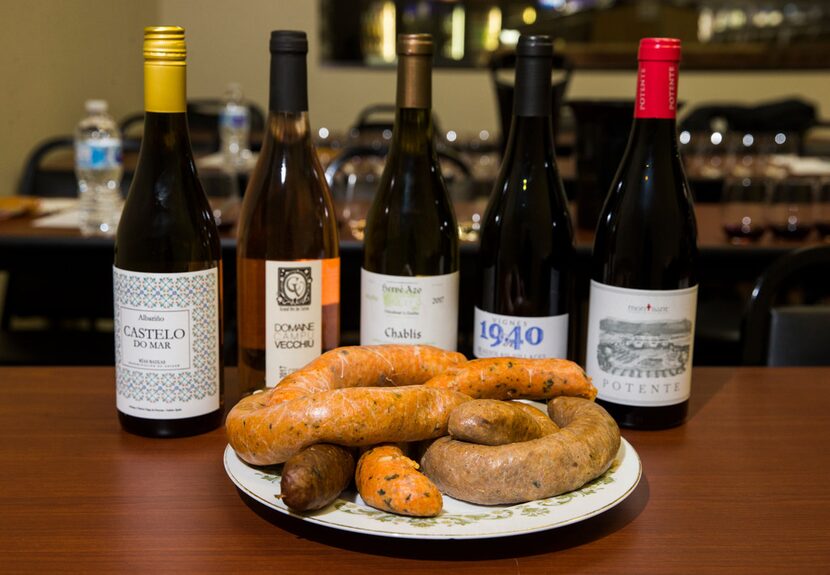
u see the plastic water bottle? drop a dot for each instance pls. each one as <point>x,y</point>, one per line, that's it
<point>98,167</point>
<point>234,127</point>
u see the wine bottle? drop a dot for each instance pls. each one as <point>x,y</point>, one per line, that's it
<point>409,280</point>
<point>526,254</point>
<point>168,268</point>
<point>644,269</point>
<point>288,278</point>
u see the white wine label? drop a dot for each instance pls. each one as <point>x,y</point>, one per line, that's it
<point>167,343</point>
<point>293,316</point>
<point>98,154</point>
<point>417,310</point>
<point>640,343</point>
<point>497,335</point>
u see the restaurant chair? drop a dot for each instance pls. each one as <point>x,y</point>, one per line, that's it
<point>502,61</point>
<point>787,320</point>
<point>39,179</point>
<point>203,123</point>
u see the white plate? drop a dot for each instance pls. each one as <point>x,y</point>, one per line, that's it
<point>458,520</point>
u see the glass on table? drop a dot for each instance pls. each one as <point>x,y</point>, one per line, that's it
<point>742,207</point>
<point>789,211</point>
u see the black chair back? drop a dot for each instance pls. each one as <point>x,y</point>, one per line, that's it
<point>775,334</point>
<point>36,181</point>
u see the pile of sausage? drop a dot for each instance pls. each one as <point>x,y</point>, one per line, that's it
<point>375,403</point>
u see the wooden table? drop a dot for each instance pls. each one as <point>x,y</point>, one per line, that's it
<point>742,487</point>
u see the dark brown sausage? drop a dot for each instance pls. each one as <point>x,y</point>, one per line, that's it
<point>582,450</point>
<point>495,422</point>
<point>315,476</point>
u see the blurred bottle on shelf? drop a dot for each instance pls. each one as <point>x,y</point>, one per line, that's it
<point>98,167</point>
<point>234,127</point>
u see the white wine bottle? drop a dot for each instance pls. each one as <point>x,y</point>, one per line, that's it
<point>644,269</point>
<point>168,268</point>
<point>288,265</point>
<point>526,256</point>
<point>410,280</point>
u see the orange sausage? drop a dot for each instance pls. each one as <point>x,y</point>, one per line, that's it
<point>368,366</point>
<point>265,434</point>
<point>388,480</point>
<point>512,378</point>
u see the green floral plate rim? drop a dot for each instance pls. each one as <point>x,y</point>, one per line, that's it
<point>459,519</point>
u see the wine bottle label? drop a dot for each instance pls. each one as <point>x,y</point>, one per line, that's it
<point>103,154</point>
<point>167,343</point>
<point>498,335</point>
<point>640,342</point>
<point>295,293</point>
<point>656,90</point>
<point>401,309</point>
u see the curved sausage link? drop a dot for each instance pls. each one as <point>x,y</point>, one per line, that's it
<point>368,366</point>
<point>583,449</point>
<point>265,434</point>
<point>495,422</point>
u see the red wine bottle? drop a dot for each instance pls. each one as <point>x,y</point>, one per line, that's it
<point>526,253</point>
<point>644,269</point>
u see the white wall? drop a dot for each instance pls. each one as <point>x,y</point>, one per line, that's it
<point>54,54</point>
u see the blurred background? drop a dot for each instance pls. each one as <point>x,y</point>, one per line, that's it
<point>58,53</point>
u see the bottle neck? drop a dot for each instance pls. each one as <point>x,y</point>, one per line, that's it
<point>165,87</point>
<point>289,83</point>
<point>165,105</point>
<point>413,130</point>
<point>656,90</point>
<point>530,137</point>
<point>288,128</point>
<point>650,132</point>
<point>532,91</point>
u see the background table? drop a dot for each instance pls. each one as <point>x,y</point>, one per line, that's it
<point>742,487</point>
<point>72,258</point>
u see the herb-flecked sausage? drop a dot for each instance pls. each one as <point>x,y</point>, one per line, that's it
<point>513,378</point>
<point>390,481</point>
<point>265,434</point>
<point>495,422</point>
<point>583,449</point>
<point>368,366</point>
<point>314,477</point>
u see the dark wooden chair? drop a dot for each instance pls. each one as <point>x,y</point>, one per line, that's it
<point>787,320</point>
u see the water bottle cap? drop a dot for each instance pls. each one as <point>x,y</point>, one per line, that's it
<point>96,106</point>
<point>534,45</point>
<point>289,41</point>
<point>659,49</point>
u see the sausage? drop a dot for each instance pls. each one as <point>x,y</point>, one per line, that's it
<point>583,449</point>
<point>494,422</point>
<point>265,434</point>
<point>512,378</point>
<point>368,366</point>
<point>314,477</point>
<point>390,481</point>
